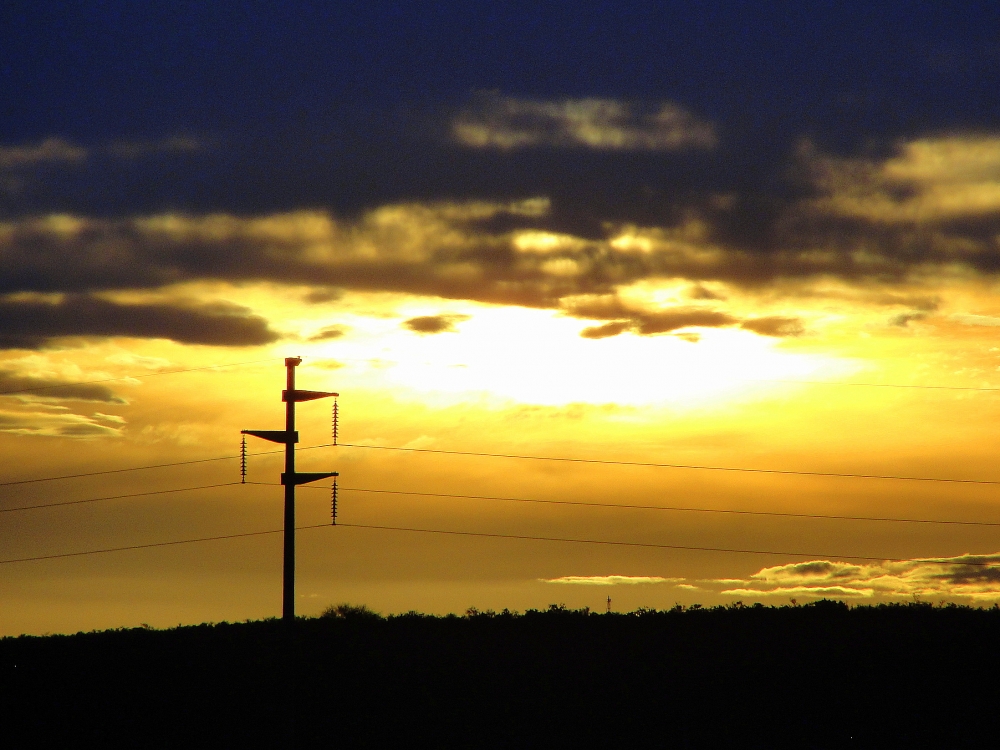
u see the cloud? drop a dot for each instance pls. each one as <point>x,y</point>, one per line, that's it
<point>990,321</point>
<point>30,324</point>
<point>609,580</point>
<point>607,330</point>
<point>650,322</point>
<point>55,425</point>
<point>507,123</point>
<point>928,180</point>
<point>328,333</point>
<point>774,325</point>
<point>113,418</point>
<point>521,252</point>
<point>49,388</point>
<point>975,577</point>
<point>48,151</point>
<point>434,323</point>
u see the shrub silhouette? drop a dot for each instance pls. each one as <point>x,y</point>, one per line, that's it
<point>820,675</point>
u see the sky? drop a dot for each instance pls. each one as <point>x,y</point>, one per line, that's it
<point>716,235</point>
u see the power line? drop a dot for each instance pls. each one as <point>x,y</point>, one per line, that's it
<point>131,377</point>
<point>151,466</point>
<point>148,546</point>
<point>841,475</point>
<point>654,545</point>
<point>491,535</point>
<point>576,503</point>
<point>115,497</point>
<point>137,468</point>
<point>659,507</point>
<point>611,462</point>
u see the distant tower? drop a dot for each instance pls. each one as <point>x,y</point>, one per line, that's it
<point>609,605</point>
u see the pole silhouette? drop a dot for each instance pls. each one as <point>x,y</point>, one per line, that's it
<point>290,478</point>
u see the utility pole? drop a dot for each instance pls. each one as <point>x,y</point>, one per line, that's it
<point>289,478</point>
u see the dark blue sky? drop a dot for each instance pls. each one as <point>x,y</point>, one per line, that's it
<point>345,105</point>
<point>87,70</point>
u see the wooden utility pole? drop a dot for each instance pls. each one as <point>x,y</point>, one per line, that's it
<point>289,478</point>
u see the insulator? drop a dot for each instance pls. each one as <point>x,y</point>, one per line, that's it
<point>336,420</point>
<point>333,503</point>
<point>243,461</point>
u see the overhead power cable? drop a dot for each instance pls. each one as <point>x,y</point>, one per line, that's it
<point>631,506</point>
<point>115,497</point>
<point>137,468</point>
<point>602,461</point>
<point>655,545</point>
<point>491,535</point>
<point>147,546</point>
<point>131,377</point>
<point>741,469</point>
<point>572,503</point>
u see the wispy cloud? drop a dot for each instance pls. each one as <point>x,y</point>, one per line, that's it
<point>507,123</point>
<point>45,424</point>
<point>50,150</point>
<point>609,580</point>
<point>625,317</point>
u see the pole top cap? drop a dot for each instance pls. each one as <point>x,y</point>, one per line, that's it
<point>293,361</point>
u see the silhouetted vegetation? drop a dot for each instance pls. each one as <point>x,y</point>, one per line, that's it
<point>820,675</point>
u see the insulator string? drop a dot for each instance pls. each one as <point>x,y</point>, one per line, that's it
<point>333,503</point>
<point>336,420</point>
<point>243,461</point>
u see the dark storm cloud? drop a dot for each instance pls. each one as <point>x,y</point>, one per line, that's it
<point>34,324</point>
<point>434,323</point>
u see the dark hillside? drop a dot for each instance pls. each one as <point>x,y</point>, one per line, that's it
<point>818,676</point>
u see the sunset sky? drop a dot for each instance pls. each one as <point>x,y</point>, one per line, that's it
<point>718,235</point>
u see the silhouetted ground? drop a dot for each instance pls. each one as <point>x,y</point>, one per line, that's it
<point>816,676</point>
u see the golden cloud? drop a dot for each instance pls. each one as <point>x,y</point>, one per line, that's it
<point>59,425</point>
<point>609,580</point>
<point>509,123</point>
<point>975,577</point>
<point>929,180</point>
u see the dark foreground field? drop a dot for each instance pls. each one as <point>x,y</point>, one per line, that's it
<point>814,676</point>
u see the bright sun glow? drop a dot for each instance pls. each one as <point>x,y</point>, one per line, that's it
<point>537,357</point>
